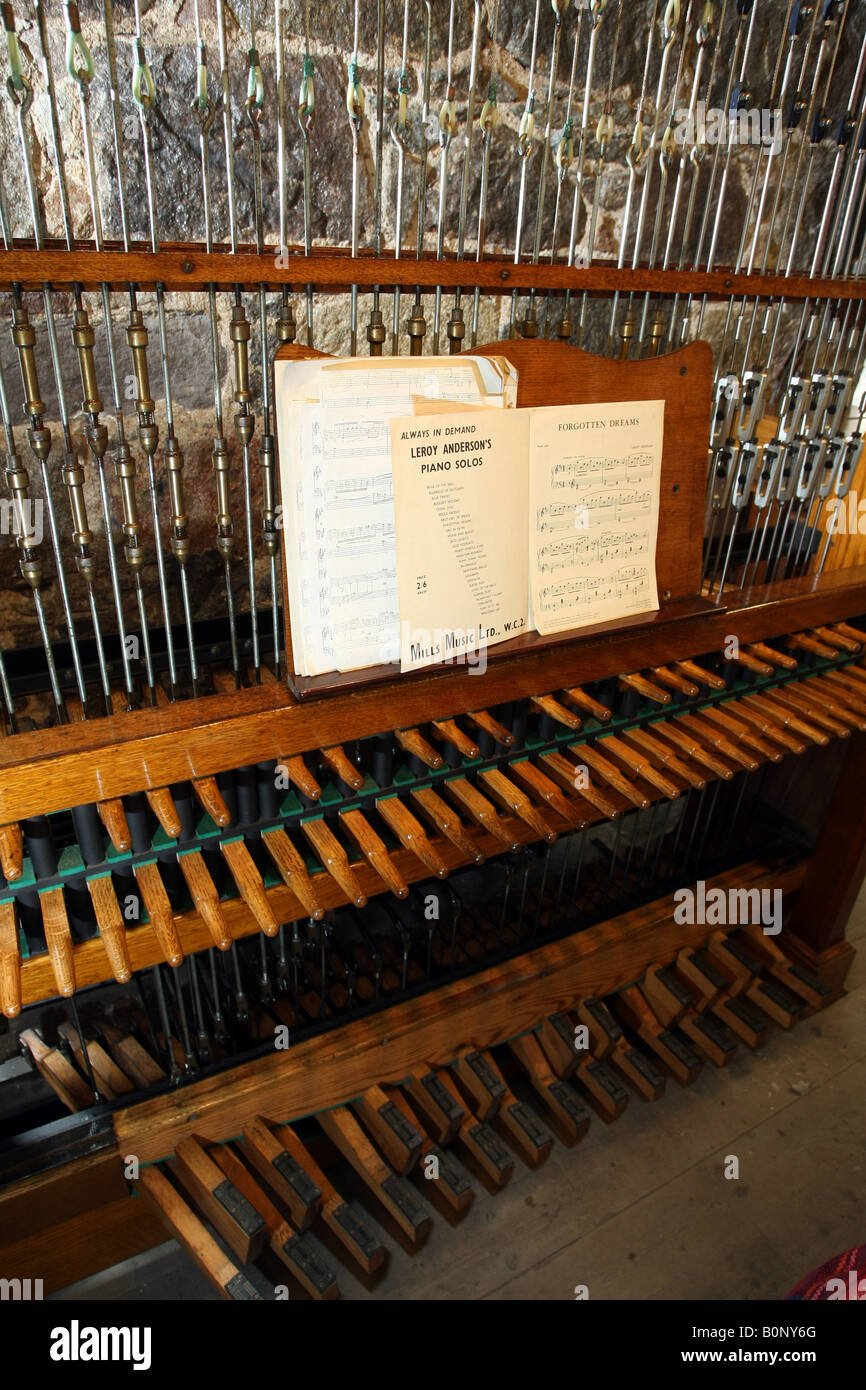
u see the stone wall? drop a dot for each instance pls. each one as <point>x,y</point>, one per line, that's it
<point>168,30</point>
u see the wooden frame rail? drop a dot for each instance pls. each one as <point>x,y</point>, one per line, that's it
<point>189,266</point>
<point>150,748</point>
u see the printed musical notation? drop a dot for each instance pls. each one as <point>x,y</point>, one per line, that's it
<point>620,507</point>
<point>610,545</point>
<point>594,490</point>
<point>369,585</point>
<point>360,540</point>
<point>593,590</point>
<point>353,492</point>
<point>610,470</point>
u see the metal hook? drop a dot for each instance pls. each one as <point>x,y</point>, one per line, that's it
<point>21,95</point>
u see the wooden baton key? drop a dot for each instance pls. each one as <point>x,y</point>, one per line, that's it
<point>161,802</point>
<point>700,674</point>
<point>479,809</point>
<point>413,741</point>
<point>672,679</point>
<point>640,766</point>
<point>375,851</point>
<point>249,884</point>
<point>338,762</point>
<point>447,822</point>
<point>410,833</point>
<point>588,703</point>
<point>449,731</point>
<point>549,705</point>
<point>644,688</point>
<point>205,897</point>
<point>293,870</point>
<point>609,773</point>
<point>569,777</point>
<point>58,939</point>
<point>10,961</point>
<point>512,799</point>
<point>11,851</point>
<point>534,780</point>
<point>772,656</point>
<point>658,750</point>
<point>484,720</point>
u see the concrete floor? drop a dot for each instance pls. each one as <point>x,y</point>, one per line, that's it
<point>641,1209</point>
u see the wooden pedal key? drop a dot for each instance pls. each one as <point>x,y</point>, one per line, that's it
<point>270,1153</point>
<point>813,991</point>
<point>297,1250</point>
<point>568,1113</point>
<point>480,1140</point>
<point>193,1236</point>
<point>518,1121</point>
<point>235,1219</point>
<point>397,1137</point>
<point>480,1080</point>
<point>348,1222</point>
<point>679,1059</point>
<point>450,1180</point>
<point>61,1075</point>
<point>436,1104</point>
<point>109,1077</point>
<point>394,1192</point>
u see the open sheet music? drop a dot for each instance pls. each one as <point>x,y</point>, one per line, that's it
<point>593,512</point>
<point>333,418</point>
<point>541,519</point>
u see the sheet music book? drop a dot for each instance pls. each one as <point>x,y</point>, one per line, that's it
<point>543,519</point>
<point>336,483</point>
